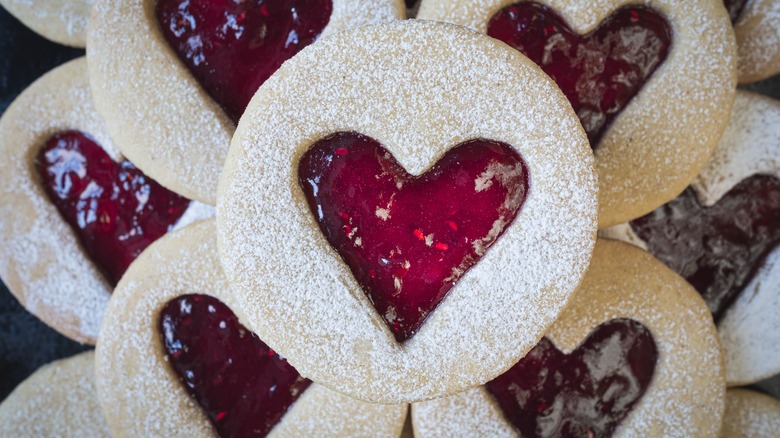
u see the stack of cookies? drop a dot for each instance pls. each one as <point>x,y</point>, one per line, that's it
<point>549,218</point>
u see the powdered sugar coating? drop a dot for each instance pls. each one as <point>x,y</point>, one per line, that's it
<point>41,259</point>
<point>158,114</point>
<point>666,134</point>
<point>59,399</point>
<point>686,395</point>
<point>750,328</point>
<point>62,21</point>
<point>418,88</point>
<point>138,390</point>
<point>750,414</point>
<point>758,38</point>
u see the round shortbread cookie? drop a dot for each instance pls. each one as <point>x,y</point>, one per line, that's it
<point>61,21</point>
<point>750,414</point>
<point>758,40</point>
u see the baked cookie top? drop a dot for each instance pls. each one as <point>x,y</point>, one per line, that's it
<point>61,21</point>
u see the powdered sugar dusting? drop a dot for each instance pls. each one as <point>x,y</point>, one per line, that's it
<point>41,260</point>
<point>758,38</point>
<point>750,414</point>
<point>57,400</point>
<point>158,114</point>
<point>63,21</point>
<point>663,138</point>
<point>139,392</point>
<point>686,395</point>
<point>419,88</point>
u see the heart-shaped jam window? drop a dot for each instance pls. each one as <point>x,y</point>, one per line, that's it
<point>718,249</point>
<point>599,72</point>
<point>231,47</point>
<point>113,208</point>
<point>583,394</point>
<point>408,239</point>
<point>243,386</point>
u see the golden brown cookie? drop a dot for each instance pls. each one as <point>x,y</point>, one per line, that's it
<point>758,40</point>
<point>750,414</point>
<point>401,88</point>
<point>597,358</point>
<point>734,189</point>
<point>654,147</point>
<point>57,400</point>
<point>137,381</point>
<point>43,260</point>
<point>62,21</point>
<point>160,116</point>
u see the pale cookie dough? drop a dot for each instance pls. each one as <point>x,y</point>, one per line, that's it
<point>403,84</point>
<point>57,400</point>
<point>750,328</point>
<point>750,414</point>
<point>61,21</point>
<point>158,114</point>
<point>41,259</point>
<point>661,140</point>
<point>141,395</point>
<point>685,397</point>
<point>758,39</point>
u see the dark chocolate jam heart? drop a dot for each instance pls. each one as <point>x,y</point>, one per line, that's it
<point>232,47</point>
<point>408,239</point>
<point>599,72</point>
<point>717,249</point>
<point>243,386</point>
<point>583,394</point>
<point>113,208</point>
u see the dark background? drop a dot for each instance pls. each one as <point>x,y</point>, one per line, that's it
<point>25,342</point>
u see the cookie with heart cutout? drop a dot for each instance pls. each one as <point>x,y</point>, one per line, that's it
<point>59,399</point>
<point>634,354</point>
<point>414,212</point>
<point>73,212</point>
<point>757,27</point>
<point>750,414</point>
<point>174,359</point>
<point>652,83</point>
<point>172,77</point>
<point>61,21</point>
<point>722,235</point>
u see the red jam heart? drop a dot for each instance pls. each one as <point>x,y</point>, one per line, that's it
<point>600,72</point>
<point>114,209</point>
<point>583,394</point>
<point>735,8</point>
<point>408,239</point>
<point>717,249</point>
<point>232,47</point>
<point>243,386</point>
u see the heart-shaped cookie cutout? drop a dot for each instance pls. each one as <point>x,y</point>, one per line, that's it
<point>599,72</point>
<point>113,208</point>
<point>583,394</point>
<point>242,385</point>
<point>719,248</point>
<point>232,47</point>
<point>409,239</point>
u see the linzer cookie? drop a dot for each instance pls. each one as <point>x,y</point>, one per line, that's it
<point>61,21</point>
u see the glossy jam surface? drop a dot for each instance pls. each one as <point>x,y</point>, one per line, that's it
<point>583,394</point>
<point>114,209</point>
<point>600,72</point>
<point>243,386</point>
<point>735,8</point>
<point>719,248</point>
<point>409,239</point>
<point>233,46</point>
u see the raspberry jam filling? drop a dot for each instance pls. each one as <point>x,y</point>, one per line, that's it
<point>232,47</point>
<point>583,394</point>
<point>408,239</point>
<point>735,8</point>
<point>599,72</point>
<point>717,249</point>
<point>114,209</point>
<point>243,386</point>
